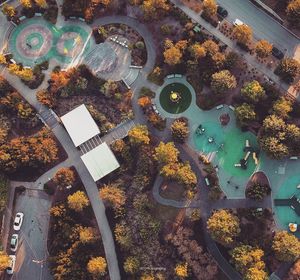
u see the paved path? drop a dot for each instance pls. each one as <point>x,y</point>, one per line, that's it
<point>251,60</point>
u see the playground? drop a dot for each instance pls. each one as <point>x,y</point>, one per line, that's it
<point>36,40</point>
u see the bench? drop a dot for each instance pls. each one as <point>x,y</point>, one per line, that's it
<point>219,107</point>
<point>231,108</point>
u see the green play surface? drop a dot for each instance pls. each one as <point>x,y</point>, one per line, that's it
<point>175,107</point>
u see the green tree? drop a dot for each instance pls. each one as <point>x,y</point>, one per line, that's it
<point>166,153</point>
<point>180,130</point>
<point>286,246</point>
<point>243,34</point>
<point>139,135</point>
<point>222,81</point>
<point>223,227</point>
<point>248,261</point>
<point>288,69</point>
<point>282,107</point>
<point>245,114</point>
<point>209,8</point>
<point>78,201</point>
<point>253,92</point>
<point>293,12</point>
<point>131,265</point>
<point>97,267</point>
<point>263,48</point>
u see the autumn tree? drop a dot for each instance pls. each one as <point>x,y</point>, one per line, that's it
<point>113,195</point>
<point>23,73</point>
<point>26,3</point>
<point>243,34</point>
<point>64,177</point>
<point>223,227</point>
<point>209,8</point>
<point>4,260</point>
<point>223,81</point>
<point>139,135</point>
<point>8,10</point>
<point>87,234</point>
<point>131,265</point>
<point>211,48</point>
<point>166,153</point>
<point>78,201</point>
<point>197,51</point>
<point>253,92</point>
<point>153,9</point>
<point>293,12</point>
<point>288,69</point>
<point>172,56</point>
<point>123,235</point>
<point>248,261</point>
<point>286,246</point>
<point>180,130</point>
<point>47,98</point>
<point>2,59</point>
<point>263,48</point>
<point>294,271</point>
<point>282,107</point>
<point>274,147</point>
<point>181,270</point>
<point>97,267</point>
<point>41,3</point>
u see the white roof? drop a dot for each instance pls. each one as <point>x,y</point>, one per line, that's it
<point>100,161</point>
<point>80,125</point>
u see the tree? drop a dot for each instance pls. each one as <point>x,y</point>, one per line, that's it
<point>139,135</point>
<point>166,153</point>
<point>282,107</point>
<point>41,3</point>
<point>210,47</point>
<point>172,56</point>
<point>274,148</point>
<point>97,266</point>
<point>26,3</point>
<point>209,8</point>
<point>243,34</point>
<point>113,195</point>
<point>294,271</point>
<point>4,260</point>
<point>181,270</point>
<point>131,265</point>
<point>222,81</point>
<point>153,9</point>
<point>64,177</point>
<point>86,234</point>
<point>23,73</point>
<point>47,98</point>
<point>197,51</point>
<point>2,59</point>
<point>293,12</point>
<point>263,48</point>
<point>286,246</point>
<point>223,227</point>
<point>288,69</point>
<point>78,201</point>
<point>273,125</point>
<point>180,130</point>
<point>253,92</point>
<point>123,235</point>
<point>8,10</point>
<point>245,114</point>
<point>248,261</point>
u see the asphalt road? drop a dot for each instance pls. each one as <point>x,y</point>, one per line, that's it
<point>32,250</point>
<point>264,27</point>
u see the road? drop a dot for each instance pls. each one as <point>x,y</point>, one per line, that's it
<point>264,27</point>
<point>35,205</point>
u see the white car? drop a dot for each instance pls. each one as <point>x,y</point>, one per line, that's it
<point>18,221</point>
<point>14,242</point>
<point>12,261</point>
<point>238,22</point>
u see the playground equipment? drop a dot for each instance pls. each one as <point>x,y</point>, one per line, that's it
<point>248,149</point>
<point>200,129</point>
<point>293,202</point>
<point>293,227</point>
<point>255,158</point>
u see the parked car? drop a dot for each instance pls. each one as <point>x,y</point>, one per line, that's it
<point>14,242</point>
<point>222,12</point>
<point>11,267</point>
<point>18,221</point>
<point>238,22</point>
<point>277,53</point>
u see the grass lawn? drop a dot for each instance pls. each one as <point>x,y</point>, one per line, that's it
<point>175,107</point>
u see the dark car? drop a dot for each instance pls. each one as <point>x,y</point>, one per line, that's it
<point>277,53</point>
<point>222,12</point>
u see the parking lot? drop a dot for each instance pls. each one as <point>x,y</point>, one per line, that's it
<point>31,255</point>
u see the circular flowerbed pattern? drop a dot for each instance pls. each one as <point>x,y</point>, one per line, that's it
<point>175,98</point>
<point>36,40</point>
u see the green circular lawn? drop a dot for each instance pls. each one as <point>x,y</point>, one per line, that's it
<point>175,107</point>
